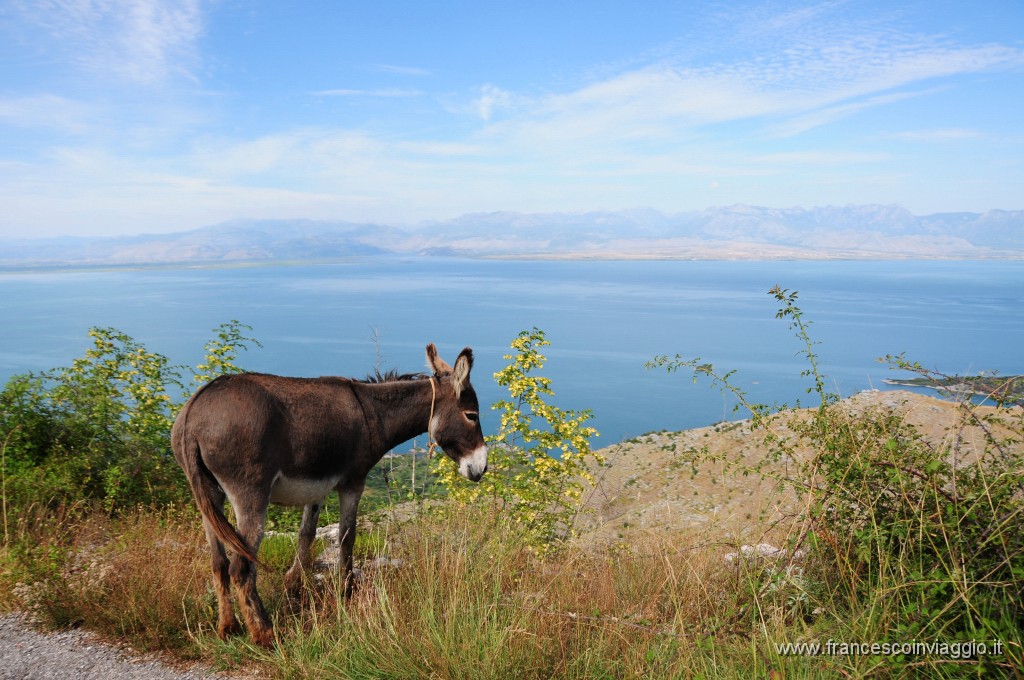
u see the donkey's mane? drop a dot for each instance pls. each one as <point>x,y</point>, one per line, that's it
<point>375,378</point>
<point>391,376</point>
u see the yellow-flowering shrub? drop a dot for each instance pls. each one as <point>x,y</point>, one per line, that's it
<point>540,459</point>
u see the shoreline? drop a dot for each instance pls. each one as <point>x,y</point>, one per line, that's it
<point>983,387</point>
<point>710,255</point>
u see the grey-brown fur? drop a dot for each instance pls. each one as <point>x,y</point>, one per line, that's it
<point>255,439</point>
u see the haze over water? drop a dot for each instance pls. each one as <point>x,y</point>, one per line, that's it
<point>604,320</point>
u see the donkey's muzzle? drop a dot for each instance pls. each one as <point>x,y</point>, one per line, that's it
<point>473,466</point>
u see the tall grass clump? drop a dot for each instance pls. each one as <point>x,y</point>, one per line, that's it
<point>469,600</point>
<point>909,541</point>
<point>460,597</point>
<point>137,577</point>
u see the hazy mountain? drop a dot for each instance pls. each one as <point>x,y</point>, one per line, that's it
<point>738,231</point>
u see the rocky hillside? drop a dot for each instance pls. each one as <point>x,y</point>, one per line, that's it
<point>654,486</point>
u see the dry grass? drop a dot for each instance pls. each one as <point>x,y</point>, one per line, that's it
<point>468,601</point>
<point>655,599</point>
<point>134,579</point>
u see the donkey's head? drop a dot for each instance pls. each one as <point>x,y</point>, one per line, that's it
<point>456,421</point>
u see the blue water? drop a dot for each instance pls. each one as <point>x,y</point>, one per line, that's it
<point>604,320</point>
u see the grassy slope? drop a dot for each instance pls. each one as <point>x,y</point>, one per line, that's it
<point>644,592</point>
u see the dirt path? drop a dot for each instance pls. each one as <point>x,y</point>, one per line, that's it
<point>75,655</point>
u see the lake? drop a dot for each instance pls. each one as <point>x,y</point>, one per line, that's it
<point>604,320</point>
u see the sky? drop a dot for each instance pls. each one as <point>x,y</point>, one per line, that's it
<point>141,116</point>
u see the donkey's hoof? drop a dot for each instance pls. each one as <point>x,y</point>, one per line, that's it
<point>228,629</point>
<point>294,581</point>
<point>264,637</point>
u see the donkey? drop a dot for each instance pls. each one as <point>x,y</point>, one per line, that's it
<point>257,439</point>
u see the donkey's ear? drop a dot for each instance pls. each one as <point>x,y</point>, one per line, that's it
<point>435,363</point>
<point>460,375</point>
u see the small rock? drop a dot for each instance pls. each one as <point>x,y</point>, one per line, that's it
<point>763,551</point>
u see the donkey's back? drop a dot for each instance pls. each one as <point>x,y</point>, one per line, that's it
<point>298,427</point>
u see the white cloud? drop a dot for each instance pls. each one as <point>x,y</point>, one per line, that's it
<point>823,157</point>
<point>385,92</point>
<point>47,111</point>
<point>441,149</point>
<point>815,82</point>
<point>141,41</point>
<point>826,115</point>
<point>492,99</point>
<point>87,189</point>
<point>222,160</point>
<point>400,70</point>
<point>936,136</point>
<point>641,135</point>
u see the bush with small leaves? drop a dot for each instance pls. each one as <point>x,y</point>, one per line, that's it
<point>539,461</point>
<point>99,429</point>
<point>911,540</point>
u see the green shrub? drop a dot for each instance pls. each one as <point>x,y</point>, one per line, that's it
<point>98,430</point>
<point>537,463</point>
<point>910,540</point>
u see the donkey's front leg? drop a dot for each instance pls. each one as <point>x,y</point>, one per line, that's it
<point>295,575</point>
<point>349,502</point>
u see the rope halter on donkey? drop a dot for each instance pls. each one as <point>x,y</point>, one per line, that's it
<point>431,442</point>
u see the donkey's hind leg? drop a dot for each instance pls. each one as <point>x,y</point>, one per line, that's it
<point>227,624</point>
<point>293,578</point>
<point>243,575</point>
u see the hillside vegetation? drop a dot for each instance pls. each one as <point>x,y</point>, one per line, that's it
<point>872,536</point>
<point>667,482</point>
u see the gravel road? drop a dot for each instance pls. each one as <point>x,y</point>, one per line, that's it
<point>74,655</point>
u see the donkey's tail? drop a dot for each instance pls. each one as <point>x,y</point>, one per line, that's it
<point>204,484</point>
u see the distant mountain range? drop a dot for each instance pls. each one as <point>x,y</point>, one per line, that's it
<point>734,232</point>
